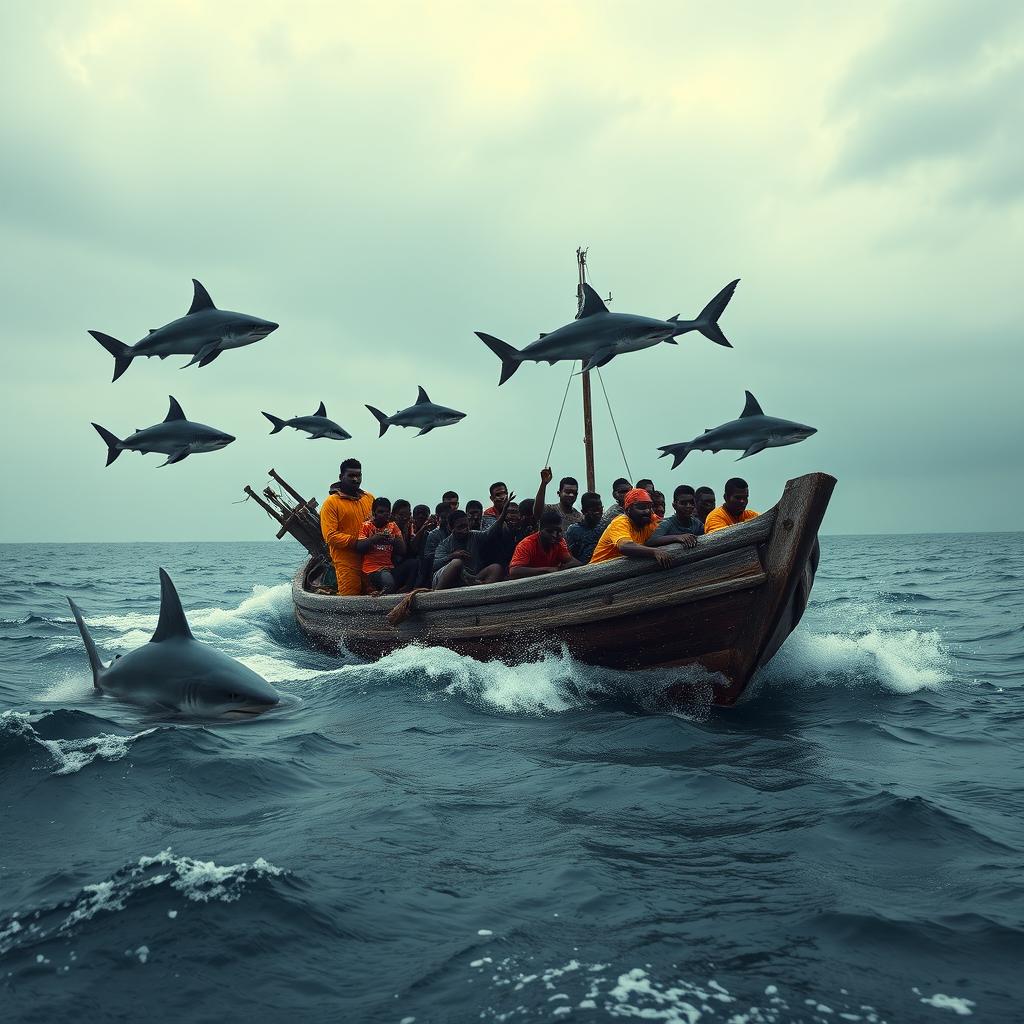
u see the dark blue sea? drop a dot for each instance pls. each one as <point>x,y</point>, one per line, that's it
<point>432,839</point>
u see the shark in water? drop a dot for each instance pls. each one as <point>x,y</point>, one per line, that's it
<point>176,672</point>
<point>750,434</point>
<point>317,425</point>
<point>203,333</point>
<point>597,336</point>
<point>176,437</point>
<point>424,414</point>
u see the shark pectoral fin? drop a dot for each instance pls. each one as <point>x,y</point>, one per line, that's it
<point>206,354</point>
<point>671,341</point>
<point>206,360</point>
<point>425,430</point>
<point>181,453</point>
<point>599,358</point>
<point>757,446</point>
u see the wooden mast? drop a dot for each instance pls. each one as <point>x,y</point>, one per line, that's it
<point>588,426</point>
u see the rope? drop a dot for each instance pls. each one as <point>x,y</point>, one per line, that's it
<point>547,461</point>
<point>614,424</point>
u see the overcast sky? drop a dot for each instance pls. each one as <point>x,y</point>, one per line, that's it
<point>384,179</point>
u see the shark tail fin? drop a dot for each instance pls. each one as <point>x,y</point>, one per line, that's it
<point>510,358</point>
<point>113,444</point>
<point>383,420</point>
<point>677,451</point>
<point>707,322</point>
<point>90,647</point>
<point>278,423</point>
<point>122,353</point>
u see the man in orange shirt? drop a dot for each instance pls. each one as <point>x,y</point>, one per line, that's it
<point>628,534</point>
<point>380,541</point>
<point>544,551</point>
<point>733,510</point>
<point>342,516</point>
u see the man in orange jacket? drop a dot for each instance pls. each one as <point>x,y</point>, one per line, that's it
<point>341,518</point>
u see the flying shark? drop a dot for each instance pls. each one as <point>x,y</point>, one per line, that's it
<point>203,333</point>
<point>317,425</point>
<point>424,414</point>
<point>176,672</point>
<point>750,434</point>
<point>176,437</point>
<point>597,336</point>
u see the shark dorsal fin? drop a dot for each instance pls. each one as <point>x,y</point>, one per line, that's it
<point>673,318</point>
<point>174,412</point>
<point>152,330</point>
<point>751,408</point>
<point>589,301</point>
<point>200,299</point>
<point>542,335</point>
<point>172,618</point>
<point>322,411</point>
<point>422,398</point>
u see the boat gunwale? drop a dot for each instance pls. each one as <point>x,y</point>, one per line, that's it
<point>752,533</point>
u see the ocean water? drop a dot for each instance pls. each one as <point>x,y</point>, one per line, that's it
<point>432,839</point>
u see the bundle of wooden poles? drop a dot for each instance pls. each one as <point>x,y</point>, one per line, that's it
<point>296,515</point>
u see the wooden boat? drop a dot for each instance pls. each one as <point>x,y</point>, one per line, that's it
<point>727,605</point>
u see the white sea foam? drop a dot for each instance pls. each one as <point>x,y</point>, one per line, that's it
<point>636,994</point>
<point>961,1007</point>
<point>904,661</point>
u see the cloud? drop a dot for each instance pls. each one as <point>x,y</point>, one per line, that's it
<point>946,89</point>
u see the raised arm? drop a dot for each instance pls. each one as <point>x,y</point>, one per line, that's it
<point>538,502</point>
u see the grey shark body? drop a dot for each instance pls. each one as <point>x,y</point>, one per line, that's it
<point>317,425</point>
<point>203,333</point>
<point>597,336</point>
<point>750,434</point>
<point>176,437</point>
<point>424,414</point>
<point>176,672</point>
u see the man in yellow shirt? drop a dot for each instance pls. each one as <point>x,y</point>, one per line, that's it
<point>733,510</point>
<point>342,516</point>
<point>627,535</point>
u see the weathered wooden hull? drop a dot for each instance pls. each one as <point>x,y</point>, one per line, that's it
<point>727,604</point>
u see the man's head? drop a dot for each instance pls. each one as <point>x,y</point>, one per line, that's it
<point>350,476</point>
<point>420,514</point>
<point>737,494</point>
<point>658,502</point>
<point>637,504</point>
<point>592,508</point>
<point>526,512</point>
<point>458,524</point>
<point>475,512</point>
<point>499,495</point>
<point>646,485</point>
<point>684,502</point>
<point>451,499</point>
<point>550,528</point>
<point>381,512</point>
<point>705,502</point>
<point>568,488</point>
<point>620,489</point>
<point>441,511</point>
<point>401,512</point>
<point>512,517</point>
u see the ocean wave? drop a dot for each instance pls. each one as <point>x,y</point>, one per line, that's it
<point>68,755</point>
<point>902,662</point>
<point>197,880</point>
<point>553,683</point>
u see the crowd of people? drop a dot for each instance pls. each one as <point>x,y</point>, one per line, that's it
<point>381,547</point>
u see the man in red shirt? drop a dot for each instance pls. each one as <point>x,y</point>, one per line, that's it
<point>542,552</point>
